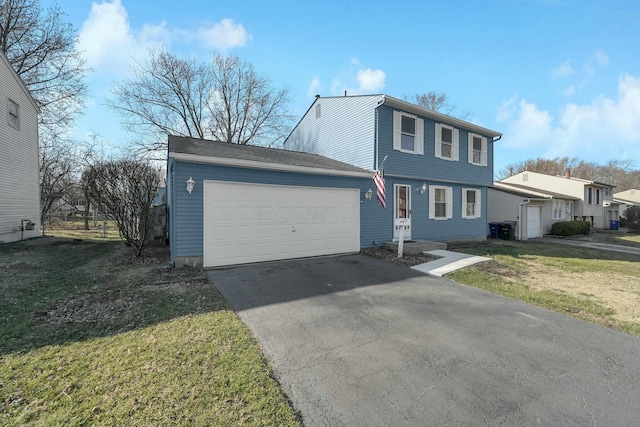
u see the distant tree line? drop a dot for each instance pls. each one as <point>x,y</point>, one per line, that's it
<point>620,173</point>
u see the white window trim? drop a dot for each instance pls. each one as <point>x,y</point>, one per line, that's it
<point>418,142</point>
<point>455,144</point>
<point>553,210</point>
<point>478,210</point>
<point>10,117</point>
<point>448,200</point>
<point>483,148</point>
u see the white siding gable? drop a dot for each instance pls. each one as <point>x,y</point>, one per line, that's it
<point>341,128</point>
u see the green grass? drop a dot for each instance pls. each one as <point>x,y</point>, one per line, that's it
<point>514,260</point>
<point>90,336</point>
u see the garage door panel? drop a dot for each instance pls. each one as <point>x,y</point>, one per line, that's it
<point>252,222</point>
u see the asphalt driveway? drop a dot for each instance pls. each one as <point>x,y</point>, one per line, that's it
<point>359,342</point>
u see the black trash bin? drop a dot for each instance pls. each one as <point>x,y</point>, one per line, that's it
<point>494,230</point>
<point>508,230</point>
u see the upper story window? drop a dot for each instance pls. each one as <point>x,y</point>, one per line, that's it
<point>14,114</point>
<point>597,196</point>
<point>477,149</point>
<point>408,133</point>
<point>471,203</point>
<point>558,209</point>
<point>590,195</point>
<point>447,142</point>
<point>440,202</point>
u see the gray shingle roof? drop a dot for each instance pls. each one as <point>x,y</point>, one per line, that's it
<point>208,148</point>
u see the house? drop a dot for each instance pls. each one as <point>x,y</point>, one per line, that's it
<point>533,211</point>
<point>594,200</point>
<point>437,168</point>
<point>627,199</point>
<point>232,204</point>
<point>19,170</point>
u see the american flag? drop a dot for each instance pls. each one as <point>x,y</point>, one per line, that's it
<point>378,179</point>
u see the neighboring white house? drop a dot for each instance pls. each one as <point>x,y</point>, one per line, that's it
<point>627,199</point>
<point>594,200</point>
<point>19,171</point>
<point>534,211</point>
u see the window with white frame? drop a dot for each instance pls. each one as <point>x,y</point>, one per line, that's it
<point>447,142</point>
<point>590,195</point>
<point>440,202</point>
<point>14,114</point>
<point>477,149</point>
<point>471,203</point>
<point>558,209</point>
<point>408,133</point>
<point>597,196</point>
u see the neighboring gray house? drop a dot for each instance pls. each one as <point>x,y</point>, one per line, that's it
<point>594,200</point>
<point>437,168</point>
<point>534,211</point>
<point>19,170</point>
<point>233,204</point>
<point>627,199</point>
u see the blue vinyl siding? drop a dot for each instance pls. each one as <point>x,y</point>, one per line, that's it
<point>423,228</point>
<point>186,210</point>
<point>427,166</point>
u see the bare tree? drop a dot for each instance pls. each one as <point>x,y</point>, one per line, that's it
<point>616,172</point>
<point>225,100</point>
<point>42,49</point>
<point>125,190</point>
<point>57,168</point>
<point>436,102</point>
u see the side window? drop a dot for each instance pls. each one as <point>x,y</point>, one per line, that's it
<point>477,150</point>
<point>440,202</point>
<point>14,114</point>
<point>558,209</point>
<point>471,203</point>
<point>408,133</point>
<point>447,142</point>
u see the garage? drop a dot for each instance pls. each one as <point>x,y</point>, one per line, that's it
<point>533,222</point>
<point>231,204</point>
<point>246,223</point>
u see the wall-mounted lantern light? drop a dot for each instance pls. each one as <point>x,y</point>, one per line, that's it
<point>423,188</point>
<point>190,184</point>
<point>368,194</point>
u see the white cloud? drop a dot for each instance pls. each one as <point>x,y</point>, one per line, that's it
<point>358,80</point>
<point>599,58</point>
<point>371,80</point>
<point>224,35</point>
<point>605,128</point>
<point>109,42</point>
<point>313,87</point>
<point>563,70</point>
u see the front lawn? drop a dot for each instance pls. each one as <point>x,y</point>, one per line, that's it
<point>91,336</point>
<point>590,284</point>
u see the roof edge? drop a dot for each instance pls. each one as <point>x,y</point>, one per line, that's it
<point>407,106</point>
<point>252,164</point>
<point>21,82</point>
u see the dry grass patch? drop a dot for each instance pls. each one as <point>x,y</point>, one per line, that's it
<point>592,284</point>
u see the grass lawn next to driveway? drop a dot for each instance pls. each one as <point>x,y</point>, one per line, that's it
<point>591,284</point>
<point>91,336</point>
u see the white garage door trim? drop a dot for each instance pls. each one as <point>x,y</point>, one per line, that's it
<point>533,222</point>
<point>246,222</point>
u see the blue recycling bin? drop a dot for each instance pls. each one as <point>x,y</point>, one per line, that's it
<point>614,224</point>
<point>494,230</point>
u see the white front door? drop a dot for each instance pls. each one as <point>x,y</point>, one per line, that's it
<point>533,222</point>
<point>402,211</point>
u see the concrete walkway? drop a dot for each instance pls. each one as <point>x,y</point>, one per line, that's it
<point>449,262</point>
<point>594,245</point>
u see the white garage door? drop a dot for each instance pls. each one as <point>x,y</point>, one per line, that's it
<point>533,222</point>
<point>246,223</point>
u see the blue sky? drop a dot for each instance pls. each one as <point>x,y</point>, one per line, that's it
<point>556,77</point>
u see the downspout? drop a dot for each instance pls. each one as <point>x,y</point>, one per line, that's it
<point>375,166</point>
<point>526,202</point>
